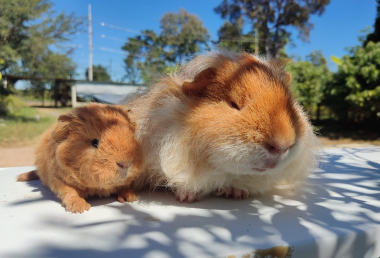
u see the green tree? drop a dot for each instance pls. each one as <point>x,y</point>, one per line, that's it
<point>309,81</point>
<point>231,36</point>
<point>354,93</point>
<point>184,34</point>
<point>149,55</point>
<point>272,19</point>
<point>99,74</point>
<point>375,35</point>
<point>146,58</point>
<point>29,32</point>
<point>317,58</point>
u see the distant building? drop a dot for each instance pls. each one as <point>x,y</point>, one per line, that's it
<point>110,93</point>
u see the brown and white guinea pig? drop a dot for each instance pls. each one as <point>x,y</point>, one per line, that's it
<point>226,123</point>
<point>91,150</point>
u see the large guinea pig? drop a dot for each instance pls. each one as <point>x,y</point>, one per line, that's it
<point>89,151</point>
<point>226,123</point>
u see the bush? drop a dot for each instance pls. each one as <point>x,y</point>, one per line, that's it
<point>354,92</point>
<point>10,104</point>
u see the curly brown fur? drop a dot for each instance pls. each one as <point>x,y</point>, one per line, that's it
<point>91,150</point>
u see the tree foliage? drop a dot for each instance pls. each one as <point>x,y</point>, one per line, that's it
<point>146,57</point>
<point>182,35</point>
<point>232,36</point>
<point>272,18</point>
<point>29,32</point>
<point>354,92</point>
<point>99,74</point>
<point>309,80</point>
<point>375,35</point>
<point>50,65</point>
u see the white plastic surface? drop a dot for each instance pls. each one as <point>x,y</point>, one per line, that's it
<point>335,214</point>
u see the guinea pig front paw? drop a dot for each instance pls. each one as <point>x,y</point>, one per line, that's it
<point>188,197</point>
<point>77,205</point>
<point>127,194</point>
<point>236,194</point>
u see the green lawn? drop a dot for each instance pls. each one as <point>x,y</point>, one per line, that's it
<point>22,128</point>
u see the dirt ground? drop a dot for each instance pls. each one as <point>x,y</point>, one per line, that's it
<point>22,156</point>
<point>17,156</point>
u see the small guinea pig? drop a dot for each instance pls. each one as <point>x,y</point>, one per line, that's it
<point>226,123</point>
<point>91,150</point>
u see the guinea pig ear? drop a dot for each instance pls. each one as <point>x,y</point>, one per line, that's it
<point>287,78</point>
<point>128,114</point>
<point>280,64</point>
<point>132,120</point>
<point>200,81</point>
<point>62,129</point>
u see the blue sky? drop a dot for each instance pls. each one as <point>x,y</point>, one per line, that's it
<point>336,29</point>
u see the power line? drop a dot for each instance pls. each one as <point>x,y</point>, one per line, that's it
<point>103,36</point>
<point>121,28</point>
<point>112,38</point>
<point>69,68</point>
<point>71,46</point>
<point>119,52</point>
<point>135,31</point>
<point>69,33</point>
<point>113,50</point>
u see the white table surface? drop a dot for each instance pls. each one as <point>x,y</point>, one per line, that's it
<point>335,214</point>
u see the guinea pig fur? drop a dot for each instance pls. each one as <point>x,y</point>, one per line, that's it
<point>91,150</point>
<point>226,123</point>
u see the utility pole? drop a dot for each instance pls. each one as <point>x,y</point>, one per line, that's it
<point>256,40</point>
<point>89,43</point>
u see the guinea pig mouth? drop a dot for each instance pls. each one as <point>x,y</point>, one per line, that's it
<point>260,169</point>
<point>268,164</point>
<point>123,168</point>
<point>123,172</point>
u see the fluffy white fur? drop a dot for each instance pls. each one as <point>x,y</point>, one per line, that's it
<point>198,166</point>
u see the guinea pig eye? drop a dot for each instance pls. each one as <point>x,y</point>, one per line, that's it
<point>233,105</point>
<point>95,143</point>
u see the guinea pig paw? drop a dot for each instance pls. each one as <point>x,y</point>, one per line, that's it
<point>77,205</point>
<point>236,194</point>
<point>127,195</point>
<point>188,197</point>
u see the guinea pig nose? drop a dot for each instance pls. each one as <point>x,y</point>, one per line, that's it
<point>276,149</point>
<point>123,164</point>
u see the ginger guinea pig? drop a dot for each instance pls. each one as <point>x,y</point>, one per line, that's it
<point>226,123</point>
<point>91,150</point>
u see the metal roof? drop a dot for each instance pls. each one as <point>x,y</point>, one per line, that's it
<point>105,92</point>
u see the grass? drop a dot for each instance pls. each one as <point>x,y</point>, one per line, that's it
<point>22,128</point>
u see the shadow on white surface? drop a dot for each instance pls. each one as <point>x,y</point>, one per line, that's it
<point>335,214</point>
